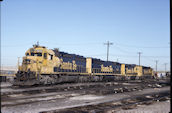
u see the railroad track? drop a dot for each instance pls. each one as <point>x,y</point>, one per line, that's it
<point>53,95</point>
<point>71,102</point>
<point>16,90</point>
<point>114,106</point>
<point>6,90</point>
<point>32,96</point>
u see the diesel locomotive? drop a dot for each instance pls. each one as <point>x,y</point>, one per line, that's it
<point>51,66</point>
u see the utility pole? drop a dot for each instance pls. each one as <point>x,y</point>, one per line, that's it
<point>165,66</point>
<point>156,64</point>
<point>117,59</point>
<point>108,44</point>
<point>37,43</point>
<point>139,57</point>
<point>18,62</point>
<point>2,67</point>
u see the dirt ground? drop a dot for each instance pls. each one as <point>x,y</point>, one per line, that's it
<point>157,107</point>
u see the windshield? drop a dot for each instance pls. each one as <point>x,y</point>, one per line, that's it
<point>36,54</point>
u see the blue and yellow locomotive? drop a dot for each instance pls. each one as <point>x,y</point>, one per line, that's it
<point>45,66</point>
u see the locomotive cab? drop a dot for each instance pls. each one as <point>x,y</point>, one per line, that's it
<point>33,58</point>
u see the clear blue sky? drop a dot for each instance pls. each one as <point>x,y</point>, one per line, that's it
<point>82,26</point>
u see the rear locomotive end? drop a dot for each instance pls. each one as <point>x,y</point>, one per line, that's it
<point>147,72</point>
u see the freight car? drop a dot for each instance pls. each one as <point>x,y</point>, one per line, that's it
<point>44,66</point>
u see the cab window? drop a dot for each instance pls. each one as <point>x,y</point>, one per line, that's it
<point>51,57</point>
<point>32,54</point>
<point>27,54</point>
<point>45,55</point>
<point>36,54</point>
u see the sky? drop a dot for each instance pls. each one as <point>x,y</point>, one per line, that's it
<point>83,26</point>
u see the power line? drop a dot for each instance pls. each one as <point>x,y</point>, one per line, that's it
<point>155,56</point>
<point>121,55</point>
<point>108,44</point>
<point>122,50</point>
<point>135,46</point>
